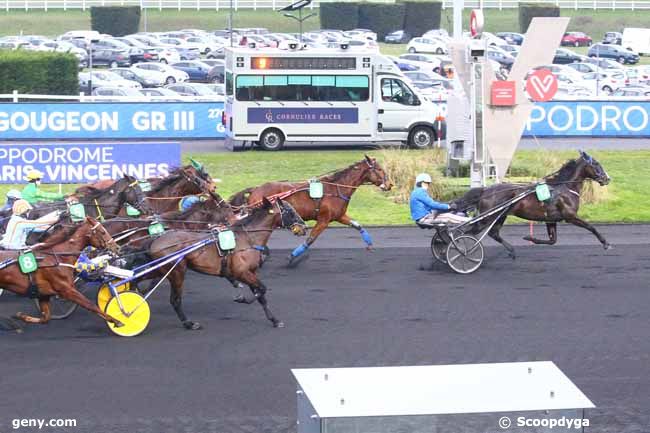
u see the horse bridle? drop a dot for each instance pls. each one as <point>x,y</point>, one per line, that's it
<point>599,171</point>
<point>140,195</point>
<point>294,226</point>
<point>373,169</point>
<point>107,242</point>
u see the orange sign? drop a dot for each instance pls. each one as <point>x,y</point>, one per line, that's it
<point>503,93</point>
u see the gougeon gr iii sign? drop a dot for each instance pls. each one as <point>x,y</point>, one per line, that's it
<point>82,163</point>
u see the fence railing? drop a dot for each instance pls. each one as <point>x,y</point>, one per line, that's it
<point>276,4</point>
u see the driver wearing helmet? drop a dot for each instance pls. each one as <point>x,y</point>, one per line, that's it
<point>187,202</point>
<point>426,211</point>
<point>12,195</point>
<point>19,227</point>
<point>33,194</point>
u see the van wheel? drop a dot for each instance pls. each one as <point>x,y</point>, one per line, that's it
<point>271,139</point>
<point>421,137</point>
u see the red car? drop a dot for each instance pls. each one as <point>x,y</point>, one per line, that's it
<point>576,39</point>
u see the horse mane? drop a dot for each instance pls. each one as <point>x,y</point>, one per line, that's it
<point>337,175</point>
<point>93,193</point>
<point>564,173</point>
<point>172,177</point>
<point>217,213</point>
<point>256,213</point>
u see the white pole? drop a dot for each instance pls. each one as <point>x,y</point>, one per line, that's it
<point>458,19</point>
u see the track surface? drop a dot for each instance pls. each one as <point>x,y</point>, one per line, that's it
<point>583,308</point>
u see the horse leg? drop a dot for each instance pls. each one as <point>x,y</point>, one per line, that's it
<point>585,225</point>
<point>551,228</point>
<point>176,279</point>
<point>259,291</point>
<point>321,225</point>
<point>346,220</point>
<point>495,233</point>
<point>44,306</point>
<point>73,295</point>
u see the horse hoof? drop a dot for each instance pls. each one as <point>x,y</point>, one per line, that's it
<point>294,261</point>
<point>240,299</point>
<point>192,326</point>
<point>118,324</point>
<point>528,238</point>
<point>607,246</point>
<point>370,249</point>
<point>278,324</point>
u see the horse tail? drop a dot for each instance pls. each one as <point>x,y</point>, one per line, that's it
<point>470,199</point>
<point>241,198</point>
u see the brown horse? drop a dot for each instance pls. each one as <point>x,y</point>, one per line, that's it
<point>251,233</point>
<point>566,186</point>
<point>55,273</point>
<point>338,189</point>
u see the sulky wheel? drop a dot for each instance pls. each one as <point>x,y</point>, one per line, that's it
<point>439,248</point>
<point>62,308</point>
<point>465,254</point>
<point>104,294</point>
<point>135,317</point>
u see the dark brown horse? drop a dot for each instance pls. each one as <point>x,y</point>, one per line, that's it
<point>338,189</point>
<point>566,186</point>
<point>251,233</point>
<point>55,273</point>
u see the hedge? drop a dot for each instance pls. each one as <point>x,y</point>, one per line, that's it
<point>382,18</point>
<point>115,20</point>
<point>527,11</point>
<point>37,72</point>
<point>421,16</point>
<point>339,15</point>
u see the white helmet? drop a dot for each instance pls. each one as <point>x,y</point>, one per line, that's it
<point>14,193</point>
<point>423,177</point>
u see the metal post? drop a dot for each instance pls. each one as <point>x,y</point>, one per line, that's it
<point>300,19</point>
<point>458,19</point>
<point>90,67</point>
<point>144,12</point>
<point>230,24</point>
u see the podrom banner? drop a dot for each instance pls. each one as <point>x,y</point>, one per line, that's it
<point>589,118</point>
<point>84,163</point>
<point>114,120</point>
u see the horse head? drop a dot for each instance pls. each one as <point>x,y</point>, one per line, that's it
<point>593,170</point>
<point>99,237</point>
<point>289,218</point>
<point>130,192</point>
<point>199,177</point>
<point>376,175</point>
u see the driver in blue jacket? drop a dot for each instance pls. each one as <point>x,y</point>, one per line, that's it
<point>427,211</point>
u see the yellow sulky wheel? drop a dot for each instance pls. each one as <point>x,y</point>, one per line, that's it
<point>137,314</point>
<point>104,294</point>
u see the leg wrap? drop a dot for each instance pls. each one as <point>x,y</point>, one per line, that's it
<point>366,237</point>
<point>300,249</point>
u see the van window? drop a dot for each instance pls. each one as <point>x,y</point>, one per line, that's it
<point>393,90</point>
<point>302,88</point>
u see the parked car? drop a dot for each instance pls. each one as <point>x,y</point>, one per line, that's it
<point>104,79</point>
<point>361,34</point>
<point>564,57</point>
<point>426,45</point>
<point>218,53</point>
<point>583,68</point>
<point>149,54</point>
<point>123,92</point>
<point>511,37</point>
<point>219,89</point>
<point>605,81</point>
<point>205,45</point>
<point>614,38</point>
<point>604,63</point>
<point>513,50</point>
<point>196,90</point>
<point>576,39</point>
<point>142,76</point>
<point>424,61</point>
<point>608,51</point>
<point>198,71</point>
<point>561,69</point>
<point>642,73</point>
<point>498,55</point>
<point>397,37</point>
<point>135,54</point>
<point>162,94</point>
<point>633,91</point>
<point>217,74</point>
<point>172,75</point>
<point>110,58</point>
<point>423,76</point>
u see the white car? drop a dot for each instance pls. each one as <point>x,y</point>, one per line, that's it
<point>605,81</point>
<point>361,34</point>
<point>180,43</point>
<point>171,75</point>
<point>105,79</point>
<point>122,92</point>
<point>583,68</point>
<point>162,94</point>
<point>205,45</point>
<point>426,45</point>
<point>423,76</point>
<point>423,61</point>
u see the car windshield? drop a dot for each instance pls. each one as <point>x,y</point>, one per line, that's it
<point>202,90</point>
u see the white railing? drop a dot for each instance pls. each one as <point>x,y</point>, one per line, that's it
<point>82,97</point>
<point>276,4</point>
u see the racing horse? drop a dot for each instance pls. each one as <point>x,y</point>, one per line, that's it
<point>102,203</point>
<point>566,186</point>
<point>338,189</point>
<point>55,273</point>
<point>251,232</point>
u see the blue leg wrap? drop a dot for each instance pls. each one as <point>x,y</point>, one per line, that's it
<point>366,237</point>
<point>300,249</point>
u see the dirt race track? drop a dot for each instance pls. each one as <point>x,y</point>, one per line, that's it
<point>586,309</point>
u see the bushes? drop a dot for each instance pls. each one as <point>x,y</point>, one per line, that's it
<point>527,11</point>
<point>421,16</point>
<point>37,72</point>
<point>115,20</point>
<point>382,18</point>
<point>339,15</point>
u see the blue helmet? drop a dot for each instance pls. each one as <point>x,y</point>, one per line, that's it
<point>188,202</point>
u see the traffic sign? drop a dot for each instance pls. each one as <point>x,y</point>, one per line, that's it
<point>541,85</point>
